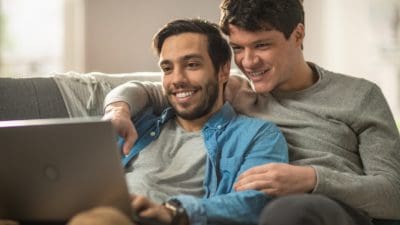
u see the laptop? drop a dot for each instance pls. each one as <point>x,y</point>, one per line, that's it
<point>52,169</point>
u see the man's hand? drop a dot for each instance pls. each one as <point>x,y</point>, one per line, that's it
<point>149,210</point>
<point>278,179</point>
<point>119,115</point>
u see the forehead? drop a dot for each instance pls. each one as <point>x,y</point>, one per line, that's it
<point>239,36</point>
<point>178,46</point>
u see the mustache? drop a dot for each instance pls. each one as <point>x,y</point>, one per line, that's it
<point>180,87</point>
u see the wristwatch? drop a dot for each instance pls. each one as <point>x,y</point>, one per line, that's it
<point>178,212</point>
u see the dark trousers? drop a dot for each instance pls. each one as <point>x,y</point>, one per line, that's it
<point>310,209</point>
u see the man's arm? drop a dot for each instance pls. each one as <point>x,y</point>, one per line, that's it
<point>378,190</point>
<point>278,179</point>
<point>128,100</point>
<point>138,95</point>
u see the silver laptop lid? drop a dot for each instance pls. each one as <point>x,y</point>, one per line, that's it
<point>52,169</point>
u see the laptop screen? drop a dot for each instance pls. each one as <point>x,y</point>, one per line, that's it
<point>53,169</point>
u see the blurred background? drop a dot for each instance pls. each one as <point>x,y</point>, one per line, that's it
<point>356,37</point>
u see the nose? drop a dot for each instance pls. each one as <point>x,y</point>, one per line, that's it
<point>250,59</point>
<point>178,77</point>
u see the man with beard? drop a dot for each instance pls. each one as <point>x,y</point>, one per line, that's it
<point>191,155</point>
<point>343,141</point>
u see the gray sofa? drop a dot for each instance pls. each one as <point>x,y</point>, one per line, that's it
<point>67,95</point>
<point>60,95</point>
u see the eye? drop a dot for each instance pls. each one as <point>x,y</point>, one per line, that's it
<point>236,49</point>
<point>166,69</point>
<point>262,45</point>
<point>193,65</point>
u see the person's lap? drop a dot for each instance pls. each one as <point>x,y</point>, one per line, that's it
<point>96,216</point>
<point>101,216</point>
<point>310,209</point>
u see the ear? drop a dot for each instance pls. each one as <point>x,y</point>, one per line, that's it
<point>224,72</point>
<point>298,34</point>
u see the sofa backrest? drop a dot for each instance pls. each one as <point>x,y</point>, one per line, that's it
<point>60,95</point>
<point>30,98</point>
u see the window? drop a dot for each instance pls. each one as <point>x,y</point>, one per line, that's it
<point>31,37</point>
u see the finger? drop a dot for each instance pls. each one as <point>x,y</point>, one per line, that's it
<point>130,140</point>
<point>128,144</point>
<point>158,212</point>
<point>253,179</point>
<point>273,192</point>
<point>254,170</point>
<point>259,185</point>
<point>151,212</point>
<point>133,196</point>
<point>140,203</point>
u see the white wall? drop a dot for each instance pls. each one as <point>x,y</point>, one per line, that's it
<point>119,32</point>
<point>349,37</point>
<point>341,35</point>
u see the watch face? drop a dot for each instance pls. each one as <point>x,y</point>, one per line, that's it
<point>178,211</point>
<point>175,202</point>
<point>172,208</point>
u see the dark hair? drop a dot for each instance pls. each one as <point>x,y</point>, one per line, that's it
<point>257,15</point>
<point>218,48</point>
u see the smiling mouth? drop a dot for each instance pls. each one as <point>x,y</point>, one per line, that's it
<point>184,94</point>
<point>257,74</point>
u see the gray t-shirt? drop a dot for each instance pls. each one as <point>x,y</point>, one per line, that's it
<point>172,164</point>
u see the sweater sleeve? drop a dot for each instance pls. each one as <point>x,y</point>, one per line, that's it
<point>377,191</point>
<point>138,95</point>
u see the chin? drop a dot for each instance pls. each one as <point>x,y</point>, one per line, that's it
<point>262,88</point>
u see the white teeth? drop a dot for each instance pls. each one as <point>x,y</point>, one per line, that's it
<point>256,73</point>
<point>184,94</point>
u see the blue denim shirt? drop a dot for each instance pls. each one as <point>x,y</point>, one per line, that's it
<point>234,144</point>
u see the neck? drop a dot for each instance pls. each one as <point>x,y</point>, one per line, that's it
<point>306,76</point>
<point>192,125</point>
<point>302,77</point>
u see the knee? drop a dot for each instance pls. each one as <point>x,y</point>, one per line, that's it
<point>8,222</point>
<point>300,209</point>
<point>100,216</point>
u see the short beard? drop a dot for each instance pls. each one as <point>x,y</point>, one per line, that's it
<point>212,91</point>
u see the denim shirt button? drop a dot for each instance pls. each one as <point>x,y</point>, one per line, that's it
<point>152,133</point>
<point>219,126</point>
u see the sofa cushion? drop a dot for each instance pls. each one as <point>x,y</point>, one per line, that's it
<point>30,98</point>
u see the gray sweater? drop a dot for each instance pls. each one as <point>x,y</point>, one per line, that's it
<point>342,126</point>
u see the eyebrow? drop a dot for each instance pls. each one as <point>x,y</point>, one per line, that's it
<point>183,58</point>
<point>192,56</point>
<point>254,42</point>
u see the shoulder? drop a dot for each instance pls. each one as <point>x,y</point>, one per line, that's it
<point>251,123</point>
<point>345,88</point>
<point>341,80</point>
